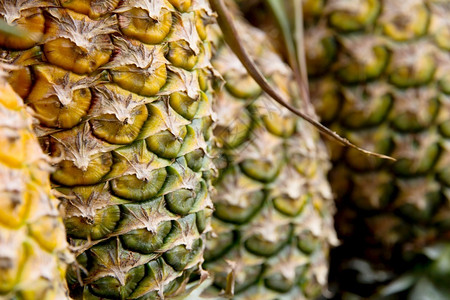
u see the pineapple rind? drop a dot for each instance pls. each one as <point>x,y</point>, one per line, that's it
<point>272,225</point>
<point>387,212</point>
<point>34,255</point>
<point>136,204</point>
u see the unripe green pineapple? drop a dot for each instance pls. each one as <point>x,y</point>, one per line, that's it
<point>122,93</point>
<point>32,239</point>
<point>379,76</point>
<point>272,224</point>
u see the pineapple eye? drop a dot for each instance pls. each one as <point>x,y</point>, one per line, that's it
<point>93,8</point>
<point>235,134</point>
<point>181,55</point>
<point>289,206</point>
<point>406,74</point>
<point>32,25</point>
<point>137,24</point>
<point>307,242</point>
<point>21,79</point>
<point>103,223</point>
<point>112,130</point>
<point>414,120</point>
<point>242,86</point>
<point>321,51</point>
<point>380,141</point>
<point>444,83</point>
<point>420,164</point>
<point>359,69</point>
<point>180,201</point>
<point>217,245</point>
<point>111,288</point>
<point>131,188</point>
<point>264,171</point>
<point>279,283</point>
<point>262,246</point>
<point>138,80</point>
<point>354,15</point>
<point>184,105</point>
<point>57,98</point>
<point>69,174</point>
<point>203,219</point>
<point>247,277</point>
<point>195,159</point>
<point>283,126</point>
<point>367,113</point>
<point>165,144</point>
<point>78,43</point>
<point>200,24</point>
<point>442,37</point>
<point>144,241</point>
<point>444,128</point>
<point>47,232</point>
<point>405,23</point>
<point>184,201</point>
<point>180,256</point>
<point>240,214</point>
<point>181,5</point>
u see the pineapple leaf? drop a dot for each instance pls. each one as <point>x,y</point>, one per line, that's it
<point>293,44</point>
<point>426,289</point>
<point>300,45</point>
<point>231,37</point>
<point>401,284</point>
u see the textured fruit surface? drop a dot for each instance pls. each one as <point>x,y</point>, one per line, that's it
<point>122,93</point>
<point>32,239</point>
<point>272,224</point>
<point>379,76</point>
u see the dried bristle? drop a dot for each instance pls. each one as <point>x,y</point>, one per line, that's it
<point>32,239</point>
<point>273,211</point>
<point>122,92</point>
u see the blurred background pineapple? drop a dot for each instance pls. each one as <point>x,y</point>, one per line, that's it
<point>379,76</point>
<point>272,224</point>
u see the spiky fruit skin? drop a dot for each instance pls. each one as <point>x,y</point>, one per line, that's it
<point>379,76</point>
<point>32,239</point>
<point>272,224</point>
<point>122,93</point>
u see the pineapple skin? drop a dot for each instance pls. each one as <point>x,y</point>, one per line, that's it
<point>33,252</point>
<point>379,73</point>
<point>123,96</point>
<point>272,224</point>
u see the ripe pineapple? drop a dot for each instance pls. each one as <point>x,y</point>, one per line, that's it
<point>122,93</point>
<point>32,239</point>
<point>272,224</point>
<point>380,77</point>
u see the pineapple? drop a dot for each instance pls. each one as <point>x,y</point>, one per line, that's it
<point>32,238</point>
<point>122,92</point>
<point>272,224</point>
<point>380,77</point>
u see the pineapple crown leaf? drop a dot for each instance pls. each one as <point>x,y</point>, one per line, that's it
<point>295,50</point>
<point>231,37</point>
